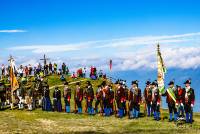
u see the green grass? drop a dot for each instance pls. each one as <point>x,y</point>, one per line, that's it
<point>38,121</point>
<point>53,122</point>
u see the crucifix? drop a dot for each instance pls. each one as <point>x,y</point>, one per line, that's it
<point>11,59</point>
<point>45,60</point>
<point>45,63</point>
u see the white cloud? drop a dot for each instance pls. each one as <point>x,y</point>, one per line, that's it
<point>130,57</point>
<point>113,43</point>
<point>184,57</point>
<point>13,31</point>
<point>49,48</point>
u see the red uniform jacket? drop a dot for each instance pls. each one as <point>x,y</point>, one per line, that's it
<point>78,95</point>
<point>120,94</point>
<point>148,94</point>
<point>180,96</point>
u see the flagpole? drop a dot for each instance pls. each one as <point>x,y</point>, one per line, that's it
<point>13,81</point>
<point>160,77</point>
<point>11,84</point>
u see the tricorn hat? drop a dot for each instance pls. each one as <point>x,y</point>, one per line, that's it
<point>171,83</point>
<point>148,82</point>
<point>135,82</point>
<point>154,83</point>
<point>187,82</point>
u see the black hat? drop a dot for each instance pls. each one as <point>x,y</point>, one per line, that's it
<point>148,82</point>
<point>187,82</point>
<point>177,86</point>
<point>66,83</point>
<point>135,82</point>
<point>154,83</point>
<point>171,83</point>
<point>117,82</point>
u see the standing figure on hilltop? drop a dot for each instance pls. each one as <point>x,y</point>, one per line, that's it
<point>78,97</point>
<point>99,97</point>
<point>93,73</point>
<point>180,100</point>
<point>189,98</point>
<point>50,68</point>
<point>106,99</point>
<point>46,101</point>
<point>111,100</point>
<point>89,96</point>
<point>21,71</point>
<point>30,94</point>
<point>135,99</point>
<point>67,96</point>
<point>120,99</point>
<point>148,98</point>
<point>64,69</point>
<point>155,100</point>
<point>171,101</point>
<point>57,100</point>
<point>55,68</point>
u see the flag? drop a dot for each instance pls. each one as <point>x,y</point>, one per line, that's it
<point>13,80</point>
<point>161,71</point>
<point>110,65</point>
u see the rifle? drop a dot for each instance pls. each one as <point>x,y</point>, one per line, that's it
<point>127,109</point>
<point>128,104</point>
<point>115,104</point>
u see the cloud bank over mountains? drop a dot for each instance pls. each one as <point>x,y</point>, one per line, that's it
<point>179,51</point>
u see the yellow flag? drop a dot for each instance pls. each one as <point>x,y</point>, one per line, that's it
<point>13,79</point>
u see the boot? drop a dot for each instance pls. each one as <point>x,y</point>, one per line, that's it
<point>191,117</point>
<point>136,114</point>
<point>89,110</point>
<point>175,116</point>
<point>170,117</point>
<point>68,109</point>
<point>187,118</point>
<point>79,110</point>
<point>148,111</point>
<point>155,115</point>
<point>131,114</point>
<point>158,116</point>
<point>96,110</point>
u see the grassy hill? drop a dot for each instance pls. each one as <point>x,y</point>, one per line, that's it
<point>37,121</point>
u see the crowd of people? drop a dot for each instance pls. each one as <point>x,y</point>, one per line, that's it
<point>108,99</point>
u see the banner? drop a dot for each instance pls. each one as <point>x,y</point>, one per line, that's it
<point>161,71</point>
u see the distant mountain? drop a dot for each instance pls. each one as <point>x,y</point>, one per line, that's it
<point>179,75</point>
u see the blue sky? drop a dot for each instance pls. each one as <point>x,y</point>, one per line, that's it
<point>87,31</point>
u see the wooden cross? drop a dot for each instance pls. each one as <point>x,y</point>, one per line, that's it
<point>45,59</point>
<point>11,59</point>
